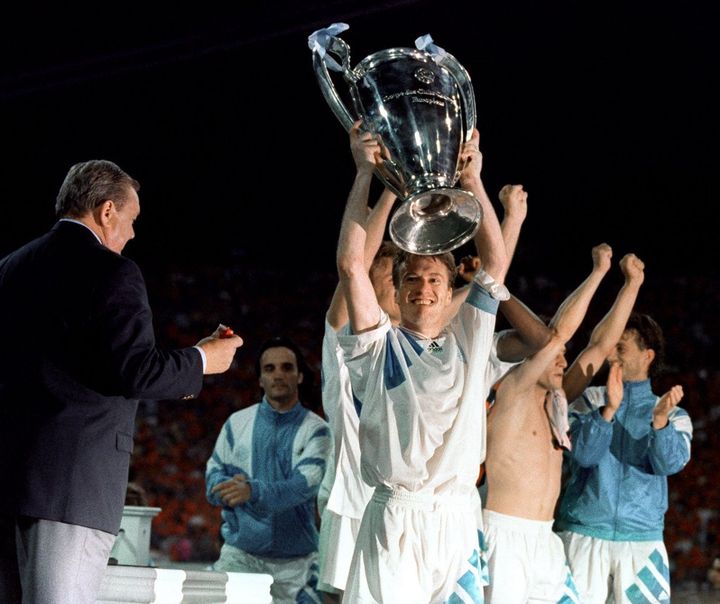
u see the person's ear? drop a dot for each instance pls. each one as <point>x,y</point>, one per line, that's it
<point>103,213</point>
<point>649,356</point>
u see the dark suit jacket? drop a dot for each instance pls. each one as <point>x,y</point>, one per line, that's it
<point>78,351</point>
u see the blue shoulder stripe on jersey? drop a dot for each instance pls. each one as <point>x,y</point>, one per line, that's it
<point>481,299</point>
<point>358,404</point>
<point>414,343</point>
<point>394,375</point>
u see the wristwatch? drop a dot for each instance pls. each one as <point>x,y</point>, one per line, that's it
<point>497,290</point>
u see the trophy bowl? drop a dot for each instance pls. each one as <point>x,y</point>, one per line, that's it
<point>421,105</point>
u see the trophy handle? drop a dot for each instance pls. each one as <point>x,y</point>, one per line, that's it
<point>388,173</point>
<point>466,91</point>
<point>341,50</point>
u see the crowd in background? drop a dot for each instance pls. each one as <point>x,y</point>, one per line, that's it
<point>174,440</point>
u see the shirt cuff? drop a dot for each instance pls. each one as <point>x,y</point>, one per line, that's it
<point>202,356</point>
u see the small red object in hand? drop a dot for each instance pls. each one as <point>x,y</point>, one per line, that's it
<point>227,333</point>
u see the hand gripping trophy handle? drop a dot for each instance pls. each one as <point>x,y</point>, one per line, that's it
<point>422,106</point>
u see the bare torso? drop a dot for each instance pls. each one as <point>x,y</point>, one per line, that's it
<point>523,466</point>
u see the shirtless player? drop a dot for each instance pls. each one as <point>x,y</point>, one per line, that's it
<point>524,460</point>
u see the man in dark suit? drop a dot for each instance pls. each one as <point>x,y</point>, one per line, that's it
<point>78,352</point>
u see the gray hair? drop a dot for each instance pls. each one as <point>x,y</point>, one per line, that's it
<point>89,184</point>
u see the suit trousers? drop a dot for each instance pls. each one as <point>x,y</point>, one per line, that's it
<point>57,563</point>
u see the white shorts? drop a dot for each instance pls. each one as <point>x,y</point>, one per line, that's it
<point>294,579</point>
<point>629,571</point>
<point>415,548</point>
<point>526,561</point>
<point>337,543</point>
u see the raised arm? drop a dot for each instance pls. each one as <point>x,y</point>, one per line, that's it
<point>363,307</point>
<point>572,311</point>
<point>529,333</point>
<point>514,202</point>
<point>608,331</point>
<point>377,221</point>
<point>337,314</point>
<point>566,321</point>
<point>488,238</point>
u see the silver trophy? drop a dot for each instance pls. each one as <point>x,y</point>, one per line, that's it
<point>421,104</point>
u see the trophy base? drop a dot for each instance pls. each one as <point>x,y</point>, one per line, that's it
<point>436,221</point>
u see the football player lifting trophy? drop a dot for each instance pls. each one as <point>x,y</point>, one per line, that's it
<point>420,102</point>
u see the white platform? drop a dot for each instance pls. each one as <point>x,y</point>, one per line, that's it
<point>133,581</point>
<point>145,585</point>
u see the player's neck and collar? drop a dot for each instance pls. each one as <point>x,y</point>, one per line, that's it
<point>431,344</point>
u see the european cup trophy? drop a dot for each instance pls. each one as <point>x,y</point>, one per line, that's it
<point>421,103</point>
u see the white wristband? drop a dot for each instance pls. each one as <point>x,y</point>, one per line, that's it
<point>497,290</point>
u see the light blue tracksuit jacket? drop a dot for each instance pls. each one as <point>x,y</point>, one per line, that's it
<point>617,471</point>
<point>283,455</point>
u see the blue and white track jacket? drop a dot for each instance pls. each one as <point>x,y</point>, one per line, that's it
<point>283,455</point>
<point>617,471</point>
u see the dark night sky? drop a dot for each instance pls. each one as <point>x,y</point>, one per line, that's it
<point>606,113</point>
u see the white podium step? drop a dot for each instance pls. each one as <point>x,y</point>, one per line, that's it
<point>147,585</point>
